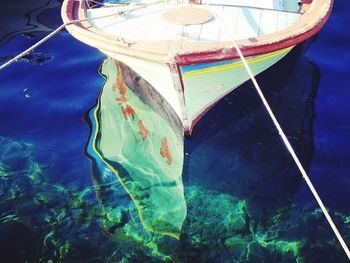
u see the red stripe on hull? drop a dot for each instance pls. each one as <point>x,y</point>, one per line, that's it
<point>231,53</point>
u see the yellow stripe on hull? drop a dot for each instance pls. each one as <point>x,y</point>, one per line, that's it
<point>235,64</point>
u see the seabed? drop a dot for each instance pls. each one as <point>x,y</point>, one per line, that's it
<point>225,195</point>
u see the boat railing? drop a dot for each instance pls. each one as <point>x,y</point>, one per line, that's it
<point>100,3</point>
<point>250,7</point>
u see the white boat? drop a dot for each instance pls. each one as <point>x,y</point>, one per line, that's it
<point>185,51</point>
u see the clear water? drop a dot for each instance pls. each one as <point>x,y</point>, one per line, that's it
<point>246,202</point>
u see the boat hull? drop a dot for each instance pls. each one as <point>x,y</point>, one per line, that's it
<point>207,83</point>
<point>191,90</point>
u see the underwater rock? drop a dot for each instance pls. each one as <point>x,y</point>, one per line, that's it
<point>86,215</point>
<point>216,220</point>
<point>256,252</point>
<point>51,195</point>
<point>236,247</point>
<point>116,218</point>
<point>18,170</point>
<point>219,224</point>
<point>15,158</point>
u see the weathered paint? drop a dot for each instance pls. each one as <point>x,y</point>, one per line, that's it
<point>206,83</point>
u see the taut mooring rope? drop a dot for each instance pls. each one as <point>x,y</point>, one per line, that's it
<point>291,151</point>
<point>57,30</point>
<point>25,52</point>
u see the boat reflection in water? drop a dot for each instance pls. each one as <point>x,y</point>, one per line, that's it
<point>142,148</point>
<point>226,193</point>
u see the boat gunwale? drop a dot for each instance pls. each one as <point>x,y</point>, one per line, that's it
<point>184,52</point>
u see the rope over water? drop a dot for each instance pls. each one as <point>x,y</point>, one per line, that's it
<point>53,33</point>
<point>291,151</point>
<point>130,7</point>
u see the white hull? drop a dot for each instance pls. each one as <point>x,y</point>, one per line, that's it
<point>203,85</point>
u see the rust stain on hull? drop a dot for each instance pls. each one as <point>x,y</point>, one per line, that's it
<point>128,111</point>
<point>164,151</point>
<point>120,85</point>
<point>142,130</point>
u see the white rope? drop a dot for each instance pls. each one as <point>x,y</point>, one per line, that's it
<point>290,149</point>
<point>97,3</point>
<point>33,47</point>
<point>57,30</point>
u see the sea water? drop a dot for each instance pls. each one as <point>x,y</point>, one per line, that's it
<point>81,180</point>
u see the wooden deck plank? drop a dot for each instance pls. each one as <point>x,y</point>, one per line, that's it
<point>228,23</point>
<point>122,24</point>
<point>291,19</point>
<point>107,22</point>
<point>268,22</point>
<point>191,32</point>
<point>248,23</point>
<point>281,20</point>
<point>210,31</point>
<point>173,32</point>
<point>252,3</point>
<point>133,28</point>
<point>157,28</point>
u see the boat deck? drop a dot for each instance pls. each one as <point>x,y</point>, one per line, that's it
<point>139,30</point>
<point>229,22</point>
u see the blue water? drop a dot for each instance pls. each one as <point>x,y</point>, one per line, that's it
<point>51,207</point>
